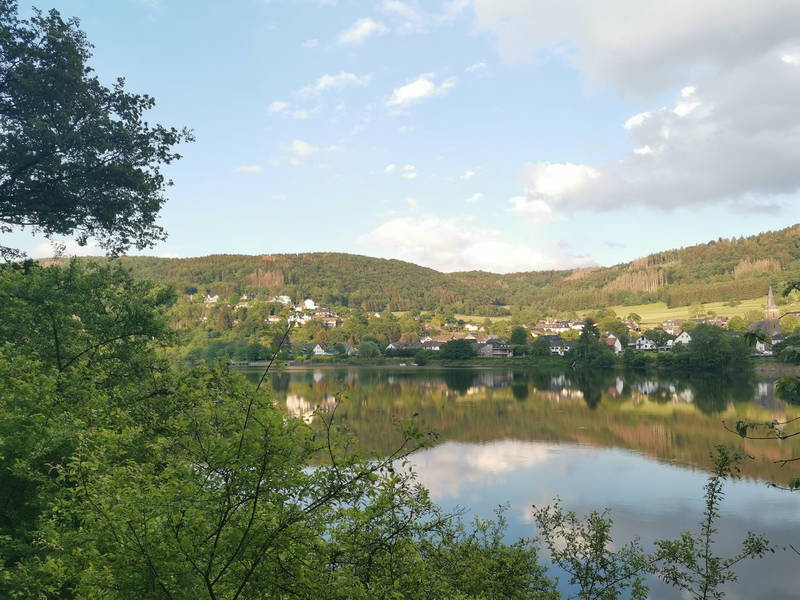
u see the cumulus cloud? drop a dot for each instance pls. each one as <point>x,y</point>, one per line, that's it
<point>422,87</point>
<point>731,142</point>
<point>456,244</point>
<point>732,134</point>
<point>474,199</point>
<point>338,81</point>
<point>283,109</point>
<point>653,46</point>
<point>277,107</point>
<point>468,174</point>
<point>300,151</point>
<point>390,168</point>
<point>409,172</point>
<point>362,30</point>
<point>446,469</point>
<point>252,169</point>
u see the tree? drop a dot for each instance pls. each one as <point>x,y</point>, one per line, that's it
<point>540,348</point>
<point>519,336</point>
<point>658,335</point>
<point>369,349</point>
<point>457,350</point>
<point>76,158</point>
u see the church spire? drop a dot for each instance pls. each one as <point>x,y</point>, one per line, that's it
<point>771,312</point>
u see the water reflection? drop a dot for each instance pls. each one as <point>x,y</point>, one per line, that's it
<point>636,445</point>
<point>671,419</point>
<point>647,500</point>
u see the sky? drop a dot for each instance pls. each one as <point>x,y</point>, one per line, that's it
<point>503,135</point>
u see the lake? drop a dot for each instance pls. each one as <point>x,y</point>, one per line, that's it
<point>638,446</point>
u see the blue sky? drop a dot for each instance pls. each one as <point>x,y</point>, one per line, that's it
<point>492,134</point>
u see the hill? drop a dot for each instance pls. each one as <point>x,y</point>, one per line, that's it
<point>718,271</point>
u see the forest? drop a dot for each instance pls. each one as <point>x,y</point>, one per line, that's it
<point>720,270</point>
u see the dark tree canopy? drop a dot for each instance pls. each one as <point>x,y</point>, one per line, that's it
<point>76,158</point>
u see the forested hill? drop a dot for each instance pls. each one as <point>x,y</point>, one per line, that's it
<point>720,270</point>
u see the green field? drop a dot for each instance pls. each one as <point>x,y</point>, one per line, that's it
<point>656,313</point>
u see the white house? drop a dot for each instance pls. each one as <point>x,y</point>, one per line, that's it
<point>471,327</point>
<point>211,299</point>
<point>309,304</point>
<point>682,338</point>
<point>643,343</point>
<point>612,342</point>
<point>320,350</point>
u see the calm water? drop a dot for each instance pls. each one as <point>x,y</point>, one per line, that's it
<point>637,446</point>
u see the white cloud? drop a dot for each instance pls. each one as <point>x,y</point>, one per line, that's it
<point>277,107</point>
<point>640,46</point>
<point>282,108</point>
<point>422,87</point>
<point>455,244</point>
<point>390,168</point>
<point>412,204</point>
<point>303,149</point>
<point>66,248</point>
<point>405,129</point>
<point>474,199</point>
<point>300,150</point>
<point>448,468</point>
<point>411,15</point>
<point>337,81</point>
<point>468,174</point>
<point>729,141</point>
<point>791,58</point>
<point>477,67</point>
<point>409,172</point>
<point>361,30</point>
<point>731,136</point>
<point>313,43</point>
<point>253,169</point>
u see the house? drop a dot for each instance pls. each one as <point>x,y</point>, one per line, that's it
<point>431,345</point>
<point>495,348</point>
<point>286,300</point>
<point>672,326</point>
<point>682,338</point>
<point>331,322</point>
<point>320,350</point>
<point>211,299</point>
<point>299,319</point>
<point>309,304</point>
<point>717,320</point>
<point>471,327</point>
<point>556,343</point>
<point>274,319</point>
<point>643,343</point>
<point>242,304</point>
<point>404,346</point>
<point>612,342</point>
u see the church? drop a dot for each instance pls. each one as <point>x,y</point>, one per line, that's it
<point>770,325</point>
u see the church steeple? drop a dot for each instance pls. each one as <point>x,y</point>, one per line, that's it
<point>771,312</point>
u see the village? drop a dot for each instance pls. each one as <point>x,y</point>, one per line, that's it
<point>558,334</point>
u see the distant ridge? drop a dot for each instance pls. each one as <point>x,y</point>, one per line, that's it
<point>720,270</point>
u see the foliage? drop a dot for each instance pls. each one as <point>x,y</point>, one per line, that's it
<point>702,273</point>
<point>369,350</point>
<point>689,562</point>
<point>519,336</point>
<point>457,350</point>
<point>582,548</point>
<point>76,158</point>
